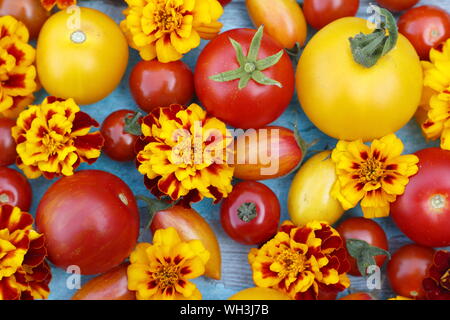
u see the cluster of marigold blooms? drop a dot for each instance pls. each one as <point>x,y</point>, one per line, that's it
<point>55,137</point>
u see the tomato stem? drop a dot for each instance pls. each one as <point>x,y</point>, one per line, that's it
<point>4,198</point>
<point>364,253</point>
<point>78,37</point>
<point>247,211</point>
<point>133,125</point>
<point>154,206</point>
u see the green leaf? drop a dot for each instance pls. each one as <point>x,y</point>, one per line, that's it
<point>239,52</point>
<point>243,82</point>
<point>364,254</point>
<point>261,78</point>
<point>228,75</point>
<point>132,125</point>
<point>267,62</point>
<point>154,206</point>
<point>255,45</point>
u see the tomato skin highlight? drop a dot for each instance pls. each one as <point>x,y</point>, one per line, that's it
<point>319,13</point>
<point>90,219</point>
<point>397,5</point>
<point>15,189</point>
<point>422,213</point>
<point>8,154</point>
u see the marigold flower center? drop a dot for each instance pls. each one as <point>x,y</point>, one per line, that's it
<point>445,280</point>
<point>168,20</point>
<point>51,144</point>
<point>371,170</point>
<point>167,276</point>
<point>293,263</point>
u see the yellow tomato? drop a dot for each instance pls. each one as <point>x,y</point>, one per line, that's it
<point>349,101</point>
<point>81,54</point>
<point>310,194</point>
<point>283,20</point>
<point>257,293</point>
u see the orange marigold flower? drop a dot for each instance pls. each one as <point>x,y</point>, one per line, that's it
<point>162,270</point>
<point>62,4</point>
<point>167,29</point>
<point>300,261</point>
<point>437,284</point>
<point>24,273</point>
<point>376,175</point>
<point>183,152</point>
<point>53,139</point>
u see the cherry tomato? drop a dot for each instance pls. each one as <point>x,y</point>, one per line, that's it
<point>251,213</point>
<point>358,296</point>
<point>30,12</point>
<point>8,152</point>
<point>397,5</point>
<point>425,27</point>
<point>119,145</point>
<point>90,220</point>
<point>319,13</point>
<point>423,211</point>
<point>15,189</point>
<point>255,105</point>
<point>367,230</point>
<point>155,84</point>
<point>407,269</point>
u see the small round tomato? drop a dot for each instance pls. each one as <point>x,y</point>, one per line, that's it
<point>319,13</point>
<point>90,220</point>
<point>251,213</point>
<point>422,213</point>
<point>397,5</point>
<point>119,145</point>
<point>244,103</point>
<point>407,269</point>
<point>258,293</point>
<point>15,189</point>
<point>154,84</point>
<point>30,12</point>
<point>425,27</point>
<point>8,152</point>
<point>358,296</point>
<point>367,230</point>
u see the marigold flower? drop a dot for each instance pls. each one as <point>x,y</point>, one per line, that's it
<point>62,4</point>
<point>300,261</point>
<point>437,284</point>
<point>400,298</point>
<point>183,152</point>
<point>162,270</point>
<point>17,73</point>
<point>375,175</point>
<point>24,273</point>
<point>53,139</point>
<point>167,29</point>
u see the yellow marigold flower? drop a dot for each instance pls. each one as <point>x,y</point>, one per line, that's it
<point>24,273</point>
<point>400,298</point>
<point>62,4</point>
<point>301,261</point>
<point>183,152</point>
<point>167,29</point>
<point>162,270</point>
<point>53,139</point>
<point>375,175</point>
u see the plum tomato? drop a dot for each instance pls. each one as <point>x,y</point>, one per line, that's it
<point>319,13</point>
<point>8,152</point>
<point>15,189</point>
<point>251,213</point>
<point>90,220</point>
<point>119,145</point>
<point>397,5</point>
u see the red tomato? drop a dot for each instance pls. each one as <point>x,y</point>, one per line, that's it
<point>90,220</point>
<point>425,27</point>
<point>253,201</point>
<point>319,13</point>
<point>367,230</point>
<point>14,189</point>
<point>224,2</point>
<point>423,211</point>
<point>155,84</point>
<point>407,269</point>
<point>397,5</point>
<point>8,152</point>
<point>255,105</point>
<point>358,296</point>
<point>119,145</point>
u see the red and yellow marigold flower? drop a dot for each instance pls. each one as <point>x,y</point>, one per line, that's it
<point>183,152</point>
<point>300,261</point>
<point>24,273</point>
<point>437,284</point>
<point>374,175</point>
<point>17,72</point>
<point>162,270</point>
<point>53,139</point>
<point>167,29</point>
<point>61,4</point>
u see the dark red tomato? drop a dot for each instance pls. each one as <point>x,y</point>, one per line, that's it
<point>90,220</point>
<point>251,213</point>
<point>423,211</point>
<point>8,152</point>
<point>319,13</point>
<point>407,269</point>
<point>119,145</point>
<point>15,189</point>
<point>367,230</point>
<point>224,2</point>
<point>30,12</point>
<point>397,5</point>
<point>155,84</point>
<point>425,27</point>
<point>255,105</point>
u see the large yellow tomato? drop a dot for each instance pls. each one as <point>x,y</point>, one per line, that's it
<point>81,54</point>
<point>349,101</point>
<point>258,293</point>
<point>310,194</point>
